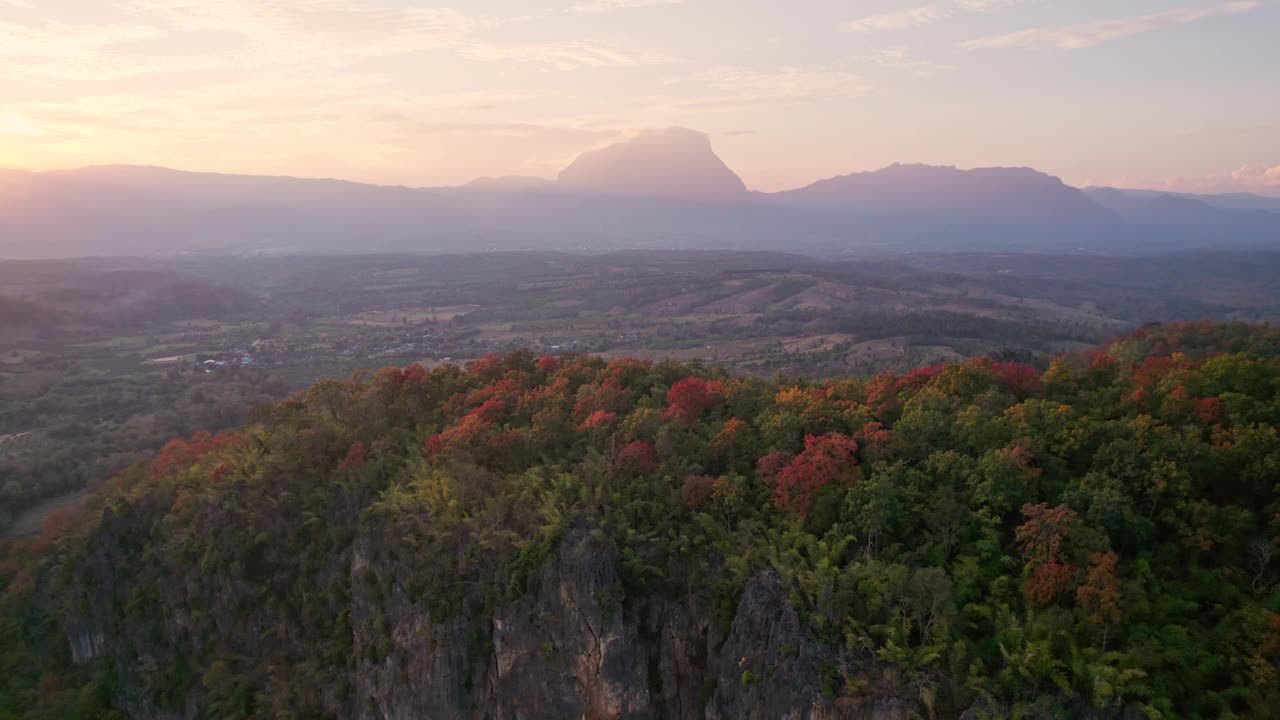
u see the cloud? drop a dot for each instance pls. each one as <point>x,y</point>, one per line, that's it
<point>916,16</point>
<point>11,124</point>
<point>59,50</point>
<point>317,35</point>
<point>235,51</point>
<point>732,87</point>
<point>274,85</point>
<point>900,58</point>
<point>986,5</point>
<point>726,89</point>
<point>899,19</point>
<point>567,55</point>
<point>1265,176</point>
<point>1073,37</point>
<point>596,7</point>
<point>291,23</point>
<point>154,37</point>
<point>408,129</point>
<point>1257,179</point>
<point>924,15</point>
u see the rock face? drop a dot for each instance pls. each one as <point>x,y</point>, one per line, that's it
<point>564,652</point>
<point>571,652</point>
<point>770,667</point>
<point>673,163</point>
<point>569,649</point>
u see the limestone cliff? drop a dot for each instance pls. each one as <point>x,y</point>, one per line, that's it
<point>571,649</point>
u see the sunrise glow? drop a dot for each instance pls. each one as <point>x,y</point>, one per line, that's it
<point>1176,93</point>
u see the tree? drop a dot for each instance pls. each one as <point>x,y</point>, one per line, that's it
<point>874,506</point>
<point>825,458</point>
<point>1100,593</point>
<point>637,457</point>
<point>688,398</point>
<point>1041,539</point>
<point>356,457</point>
<point>598,420</point>
<point>261,562</point>
<point>928,598</point>
<point>697,490</point>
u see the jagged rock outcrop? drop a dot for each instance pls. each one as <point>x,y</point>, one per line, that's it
<point>571,651</point>
<point>771,667</point>
<point>565,651</point>
<point>770,664</point>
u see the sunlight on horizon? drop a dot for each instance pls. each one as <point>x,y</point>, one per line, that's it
<point>1157,93</point>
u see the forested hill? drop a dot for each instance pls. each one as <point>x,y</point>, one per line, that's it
<point>552,538</point>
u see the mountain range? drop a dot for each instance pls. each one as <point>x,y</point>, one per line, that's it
<point>661,189</point>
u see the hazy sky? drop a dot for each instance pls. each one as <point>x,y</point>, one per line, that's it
<point>1178,93</point>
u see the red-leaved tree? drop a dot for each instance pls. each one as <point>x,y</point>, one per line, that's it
<point>1100,593</point>
<point>637,457</point>
<point>689,397</point>
<point>825,458</point>
<point>1041,538</point>
<point>355,458</point>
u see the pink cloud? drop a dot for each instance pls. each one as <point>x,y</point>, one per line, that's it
<point>899,19</point>
<point>1075,37</point>
<point>1258,179</point>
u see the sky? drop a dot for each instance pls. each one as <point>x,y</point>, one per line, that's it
<point>1175,94</point>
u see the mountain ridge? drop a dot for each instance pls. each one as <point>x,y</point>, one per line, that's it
<point>661,189</point>
<point>671,141</point>
<point>948,189</point>
<point>1224,201</point>
<point>1230,201</point>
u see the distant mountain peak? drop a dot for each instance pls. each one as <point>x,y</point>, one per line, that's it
<point>1012,193</point>
<point>670,163</point>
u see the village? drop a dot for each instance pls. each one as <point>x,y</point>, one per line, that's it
<point>353,347</point>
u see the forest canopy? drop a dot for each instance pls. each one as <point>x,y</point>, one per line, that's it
<point>980,536</point>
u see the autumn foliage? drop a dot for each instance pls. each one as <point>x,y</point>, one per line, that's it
<point>825,459</point>
<point>181,454</point>
<point>688,398</point>
<point>730,437</point>
<point>1041,540</point>
<point>356,457</point>
<point>637,456</point>
<point>1100,593</point>
<point>597,420</point>
<point>1097,539</point>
